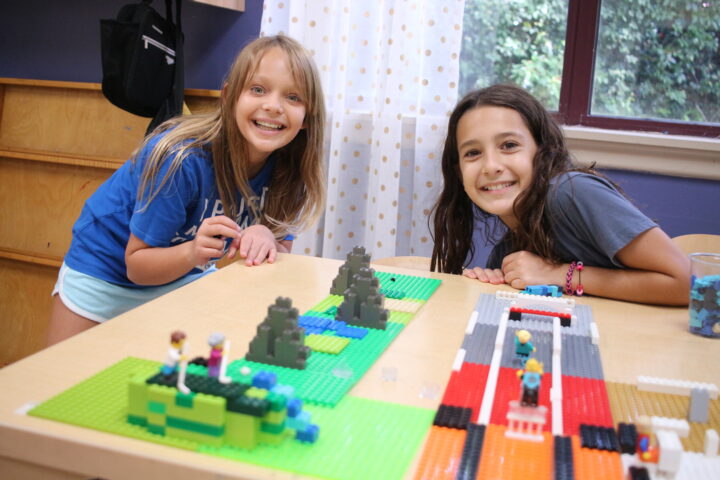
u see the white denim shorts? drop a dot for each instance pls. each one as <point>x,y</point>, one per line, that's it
<point>99,300</point>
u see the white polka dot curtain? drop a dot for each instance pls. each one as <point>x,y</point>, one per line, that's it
<point>389,71</point>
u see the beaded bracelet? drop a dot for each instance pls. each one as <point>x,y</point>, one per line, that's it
<point>569,276</point>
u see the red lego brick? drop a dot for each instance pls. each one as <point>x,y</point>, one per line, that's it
<point>509,389</point>
<point>585,400</point>
<point>540,312</point>
<point>466,387</point>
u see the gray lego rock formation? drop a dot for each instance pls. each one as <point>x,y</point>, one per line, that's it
<point>279,339</point>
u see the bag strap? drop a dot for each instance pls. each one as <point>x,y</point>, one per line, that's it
<point>173,105</point>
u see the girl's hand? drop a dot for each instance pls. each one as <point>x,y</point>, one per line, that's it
<point>209,242</point>
<point>487,275</point>
<point>255,244</point>
<point>524,268</point>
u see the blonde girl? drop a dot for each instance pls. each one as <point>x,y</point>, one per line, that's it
<point>240,180</point>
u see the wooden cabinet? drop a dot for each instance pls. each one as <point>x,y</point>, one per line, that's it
<point>58,142</point>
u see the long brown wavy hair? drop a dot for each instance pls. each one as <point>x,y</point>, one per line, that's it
<point>454,215</point>
<point>297,189</point>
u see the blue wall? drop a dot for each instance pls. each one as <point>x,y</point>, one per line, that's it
<point>59,40</point>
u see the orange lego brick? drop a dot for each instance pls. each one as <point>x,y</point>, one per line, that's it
<point>513,459</point>
<point>442,453</point>
<point>591,464</point>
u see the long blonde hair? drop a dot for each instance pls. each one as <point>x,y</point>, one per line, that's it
<point>297,189</point>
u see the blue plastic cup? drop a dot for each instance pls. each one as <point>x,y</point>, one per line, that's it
<point>705,294</point>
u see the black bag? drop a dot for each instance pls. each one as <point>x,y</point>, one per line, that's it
<point>142,61</point>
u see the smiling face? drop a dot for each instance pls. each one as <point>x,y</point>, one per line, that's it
<point>270,110</point>
<point>496,152</point>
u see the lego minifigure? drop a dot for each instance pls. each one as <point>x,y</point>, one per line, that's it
<point>531,377</point>
<point>523,347</point>
<point>217,345</point>
<point>174,354</point>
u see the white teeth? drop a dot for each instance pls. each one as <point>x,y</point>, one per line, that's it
<point>268,125</point>
<point>498,186</point>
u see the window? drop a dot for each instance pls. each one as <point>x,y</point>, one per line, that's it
<point>642,65</point>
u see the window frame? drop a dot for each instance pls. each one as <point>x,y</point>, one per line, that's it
<point>583,22</point>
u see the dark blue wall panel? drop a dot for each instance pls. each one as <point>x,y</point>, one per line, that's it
<point>60,39</point>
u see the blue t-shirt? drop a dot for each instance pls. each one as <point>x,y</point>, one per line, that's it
<point>101,233</point>
<point>591,221</point>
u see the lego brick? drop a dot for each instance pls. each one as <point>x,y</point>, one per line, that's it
<point>348,332</point>
<point>593,464</point>
<point>459,360</point>
<point>699,405</point>
<point>242,430</point>
<point>489,310</point>
<point>676,387</point>
<point>452,417</point>
<point>466,387</point>
<point>584,401</point>
<point>472,449</point>
<point>627,437</point>
<point>600,438</point>
<point>677,425</point>
<point>638,473</point>
<point>580,358</point>
<point>479,345</point>
<point>670,452</point>
<point>441,455</point>
<point>695,466</point>
<point>497,449</point>
<point>524,300</point>
<point>711,443</point>
<point>326,343</point>
<point>563,458</point>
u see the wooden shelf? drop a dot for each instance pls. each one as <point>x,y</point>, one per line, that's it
<point>30,257</point>
<point>62,159</point>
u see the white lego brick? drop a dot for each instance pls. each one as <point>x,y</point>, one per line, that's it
<point>711,443</point>
<point>594,333</point>
<point>459,359</point>
<point>675,387</point>
<point>502,327</point>
<point>558,304</point>
<point>696,466</point>
<point>557,336</point>
<point>670,452</point>
<point>471,323</point>
<point>677,425</point>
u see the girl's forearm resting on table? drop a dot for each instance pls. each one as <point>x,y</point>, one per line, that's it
<point>656,272</point>
<point>158,266</point>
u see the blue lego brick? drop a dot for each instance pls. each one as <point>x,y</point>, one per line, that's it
<point>543,290</point>
<point>351,332</point>
<point>294,407</point>
<point>309,435</point>
<point>313,321</point>
<point>313,330</point>
<point>264,379</point>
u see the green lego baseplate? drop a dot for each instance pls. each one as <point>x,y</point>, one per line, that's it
<point>359,438</point>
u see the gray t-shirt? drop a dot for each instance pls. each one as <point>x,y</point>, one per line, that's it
<point>592,221</point>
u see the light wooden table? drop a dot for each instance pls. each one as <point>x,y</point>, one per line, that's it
<point>634,340</point>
